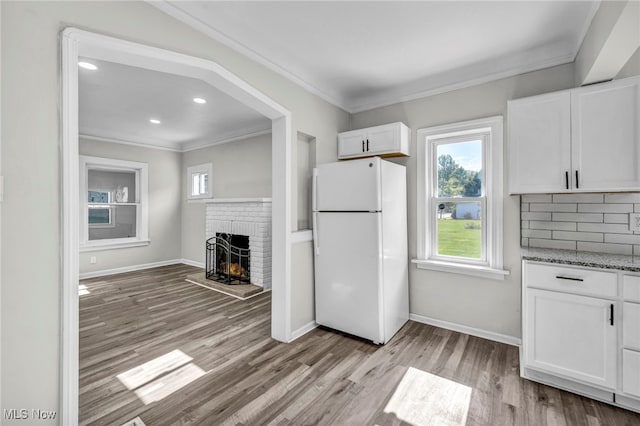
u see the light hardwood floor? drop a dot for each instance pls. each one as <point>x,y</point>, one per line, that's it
<point>170,352</point>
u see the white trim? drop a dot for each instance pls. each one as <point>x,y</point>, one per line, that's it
<point>193,263</point>
<point>195,145</point>
<point>225,293</point>
<point>493,182</point>
<point>472,331</point>
<point>132,268</point>
<point>199,25</point>
<point>302,236</point>
<point>303,330</point>
<point>130,143</point>
<point>461,268</point>
<point>77,43</point>
<point>111,244</point>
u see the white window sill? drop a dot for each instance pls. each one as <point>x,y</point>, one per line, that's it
<point>461,268</point>
<point>113,245</point>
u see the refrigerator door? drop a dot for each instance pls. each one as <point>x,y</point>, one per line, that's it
<point>348,265</point>
<point>348,186</point>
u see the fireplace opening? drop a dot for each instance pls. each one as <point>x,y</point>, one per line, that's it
<point>227,258</point>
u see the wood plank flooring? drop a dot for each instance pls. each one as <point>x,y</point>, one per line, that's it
<point>174,353</point>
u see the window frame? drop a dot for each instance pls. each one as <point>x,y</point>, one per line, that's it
<point>140,200</point>
<point>491,129</point>
<point>200,169</point>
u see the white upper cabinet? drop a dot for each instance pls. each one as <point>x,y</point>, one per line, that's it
<point>540,143</point>
<point>584,139</point>
<point>389,140</point>
<point>606,139</point>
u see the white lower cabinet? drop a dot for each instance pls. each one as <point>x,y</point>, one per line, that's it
<point>572,336</point>
<point>631,372</point>
<point>581,330</point>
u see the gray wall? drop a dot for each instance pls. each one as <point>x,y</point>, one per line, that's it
<point>485,304</point>
<point>31,219</point>
<point>165,174</point>
<point>632,67</point>
<point>241,169</point>
<point>302,288</point>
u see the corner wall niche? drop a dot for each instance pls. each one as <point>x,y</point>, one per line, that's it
<point>250,217</point>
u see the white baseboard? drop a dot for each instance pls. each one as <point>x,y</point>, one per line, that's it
<point>303,330</point>
<point>192,263</point>
<point>131,268</point>
<point>489,335</point>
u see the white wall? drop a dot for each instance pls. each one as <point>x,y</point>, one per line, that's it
<point>30,312</point>
<point>241,169</point>
<point>165,213</point>
<point>485,304</point>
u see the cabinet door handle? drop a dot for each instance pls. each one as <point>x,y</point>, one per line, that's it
<point>577,181</point>
<point>362,145</point>
<point>367,145</point>
<point>566,179</point>
<point>611,314</point>
<point>560,277</point>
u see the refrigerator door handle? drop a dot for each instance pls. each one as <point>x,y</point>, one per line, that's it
<point>316,244</point>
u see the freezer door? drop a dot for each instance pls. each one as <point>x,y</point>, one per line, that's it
<point>348,265</point>
<point>348,186</point>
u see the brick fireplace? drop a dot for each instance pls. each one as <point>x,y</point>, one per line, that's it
<point>250,217</point>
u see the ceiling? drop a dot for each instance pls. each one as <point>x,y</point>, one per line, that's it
<point>362,54</point>
<point>117,101</point>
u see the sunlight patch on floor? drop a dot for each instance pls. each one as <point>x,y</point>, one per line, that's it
<point>422,398</point>
<point>82,290</point>
<point>161,376</point>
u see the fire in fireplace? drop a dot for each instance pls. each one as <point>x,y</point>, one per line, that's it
<point>228,258</point>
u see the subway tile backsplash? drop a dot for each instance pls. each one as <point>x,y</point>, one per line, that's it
<point>584,222</point>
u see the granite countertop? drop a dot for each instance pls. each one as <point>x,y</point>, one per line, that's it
<point>583,258</point>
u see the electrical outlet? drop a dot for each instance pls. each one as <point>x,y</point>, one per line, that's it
<point>634,222</point>
<point>93,260</point>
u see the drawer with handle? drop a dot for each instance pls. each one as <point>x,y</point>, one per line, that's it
<point>571,280</point>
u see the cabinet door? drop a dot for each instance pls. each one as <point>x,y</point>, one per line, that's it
<point>540,144</point>
<point>631,325</point>
<point>382,140</point>
<point>352,144</point>
<point>631,372</point>
<point>606,136</point>
<point>571,336</point>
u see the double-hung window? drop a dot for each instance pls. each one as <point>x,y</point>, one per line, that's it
<point>114,208</point>
<point>460,198</point>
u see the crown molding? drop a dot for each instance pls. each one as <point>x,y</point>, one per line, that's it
<point>140,144</point>
<point>192,146</point>
<point>199,25</point>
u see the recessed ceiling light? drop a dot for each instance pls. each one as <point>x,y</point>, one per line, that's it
<point>199,100</point>
<point>154,121</point>
<point>87,66</point>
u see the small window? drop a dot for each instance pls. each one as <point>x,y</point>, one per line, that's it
<point>199,181</point>
<point>460,198</point>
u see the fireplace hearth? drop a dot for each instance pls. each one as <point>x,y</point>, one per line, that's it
<point>228,259</point>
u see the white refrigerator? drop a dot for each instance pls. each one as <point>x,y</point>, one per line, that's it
<point>360,245</point>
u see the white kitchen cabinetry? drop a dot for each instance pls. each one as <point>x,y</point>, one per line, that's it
<point>584,139</point>
<point>581,330</point>
<point>540,143</point>
<point>631,336</point>
<point>389,140</point>
<point>571,335</point>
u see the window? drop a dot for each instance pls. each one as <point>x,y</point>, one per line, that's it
<point>114,211</point>
<point>199,181</point>
<point>460,198</point>
<point>100,212</point>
